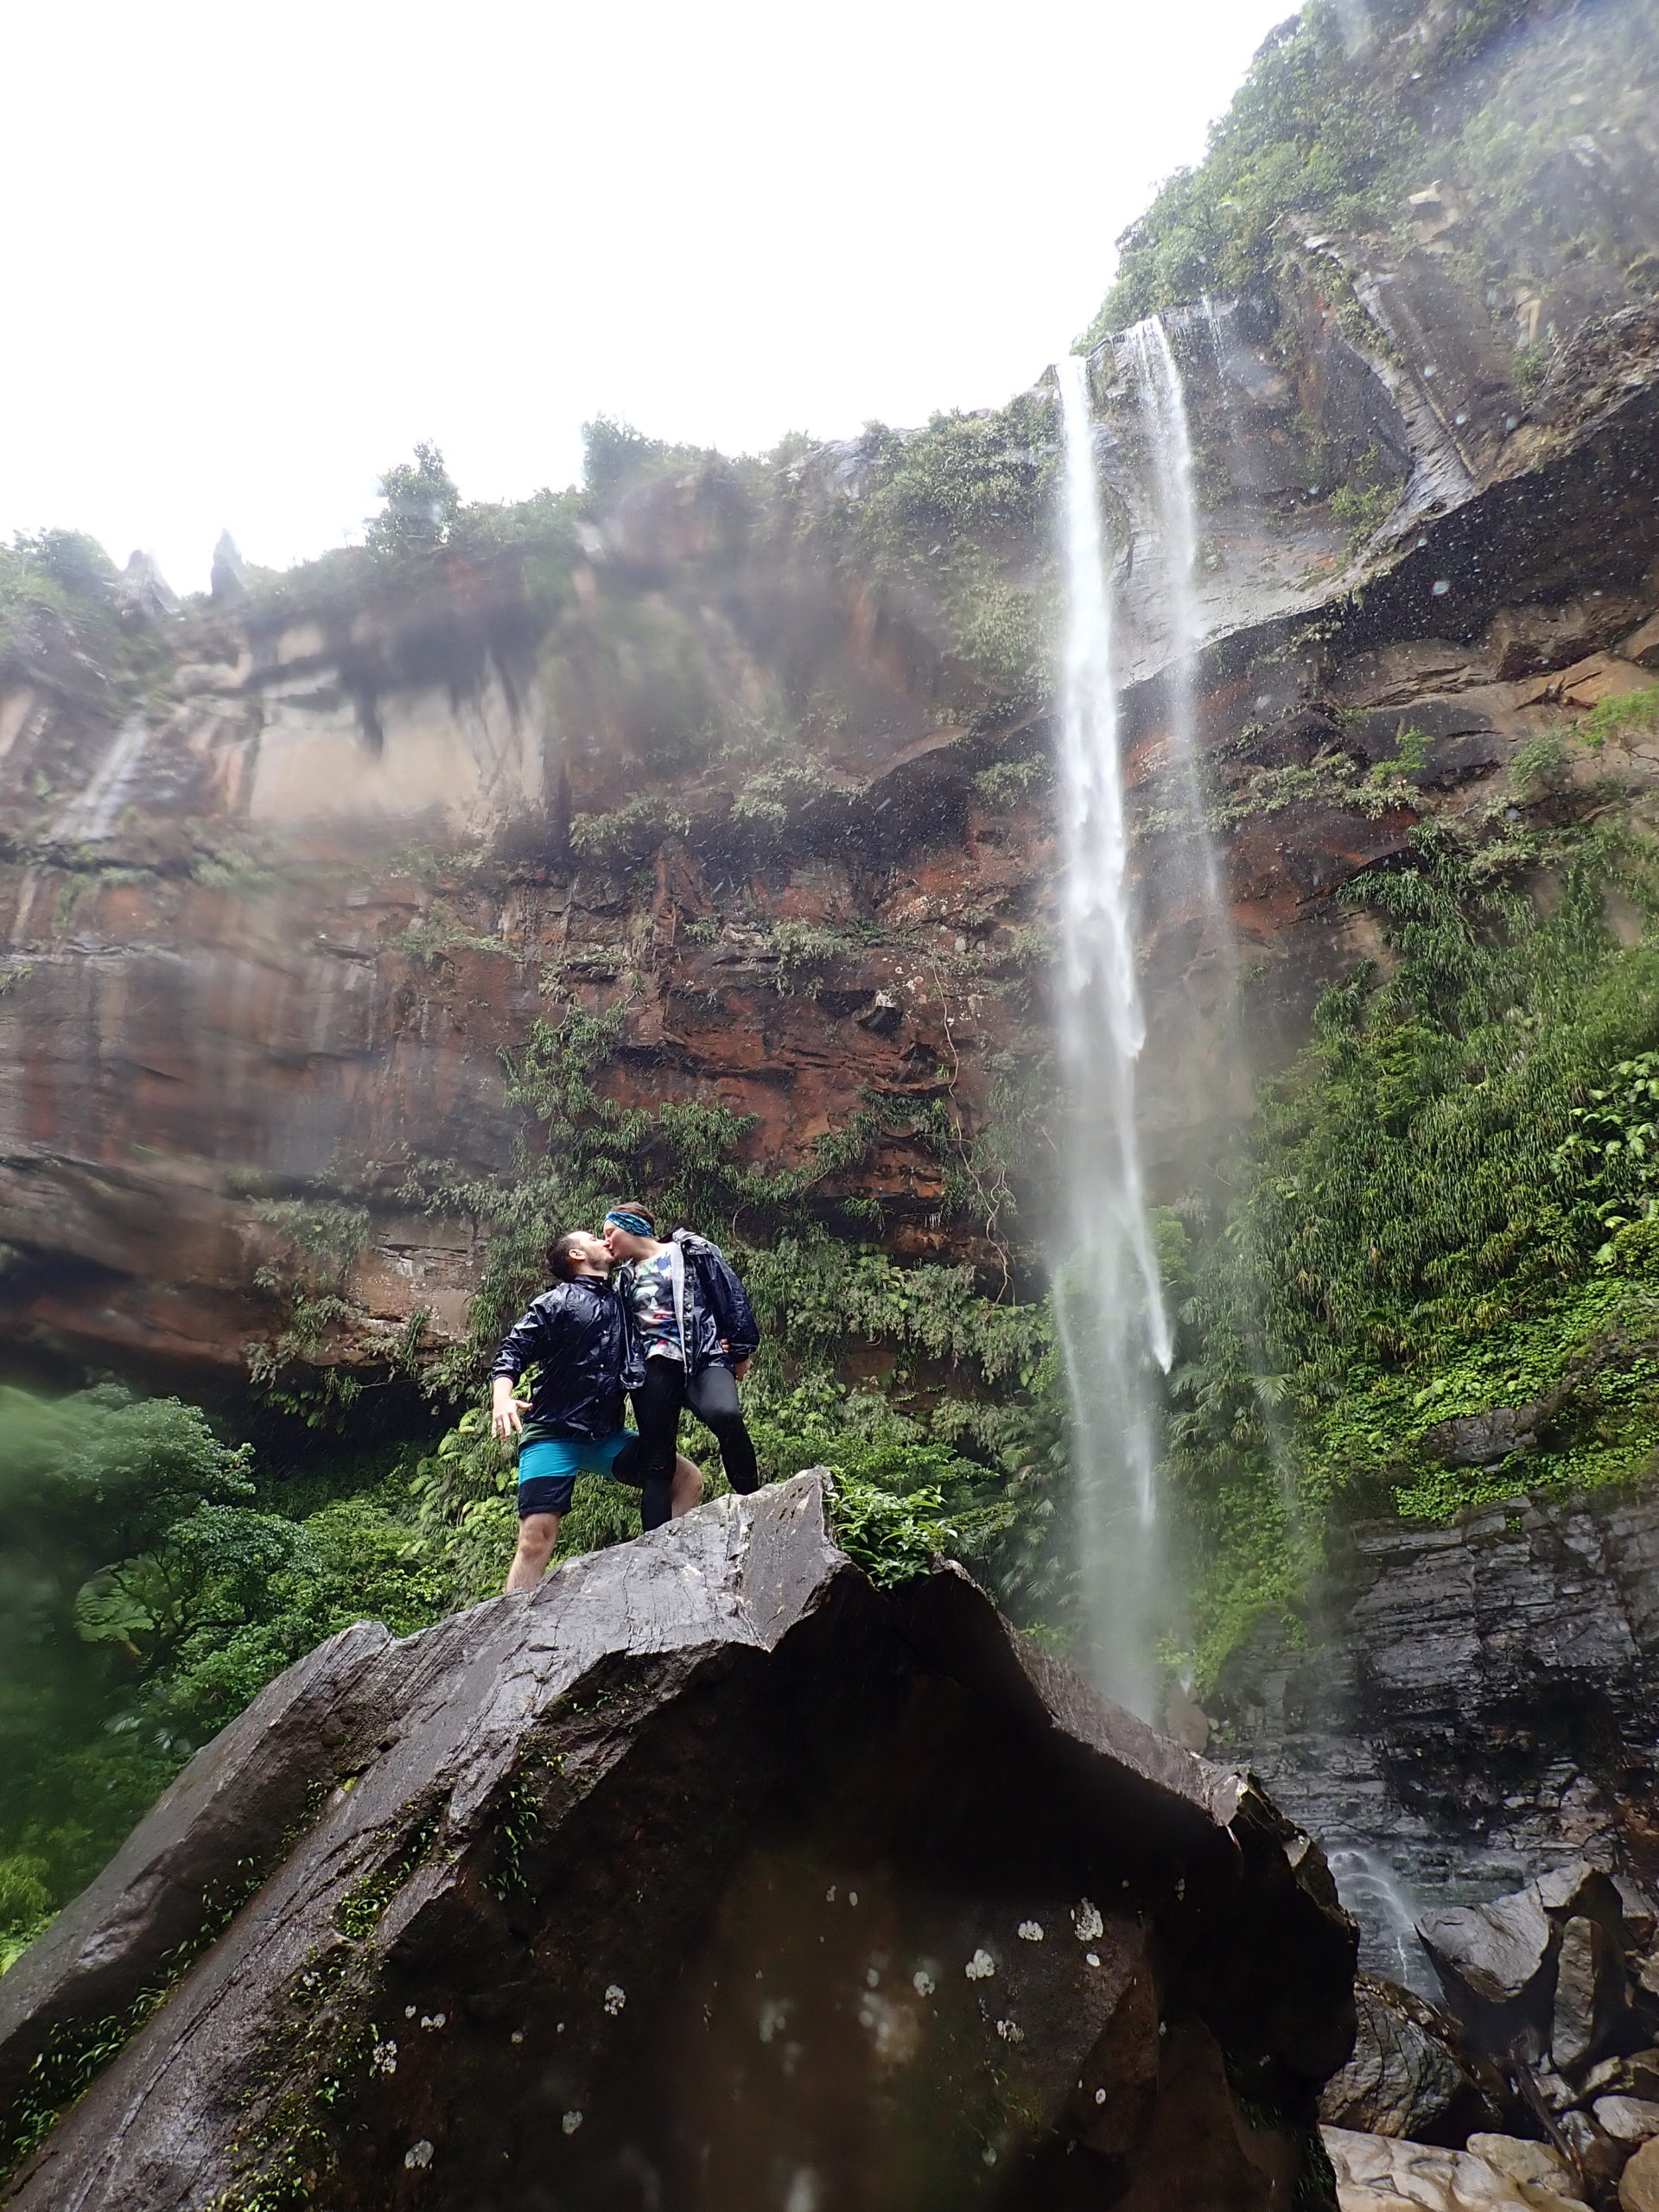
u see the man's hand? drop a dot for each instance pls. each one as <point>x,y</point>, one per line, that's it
<point>506,1412</point>
<point>742,1368</point>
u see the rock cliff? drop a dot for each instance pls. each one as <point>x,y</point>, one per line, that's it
<point>1479,1709</point>
<point>271,926</point>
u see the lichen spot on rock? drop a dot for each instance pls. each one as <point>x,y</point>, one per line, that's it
<point>981,1967</point>
<point>571,2122</point>
<point>1087,1921</point>
<point>418,2154</point>
<point>615,1997</point>
<point>1031,1931</point>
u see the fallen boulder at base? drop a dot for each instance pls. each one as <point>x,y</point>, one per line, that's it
<point>707,1876</point>
<point>1383,2173</point>
<point>1410,2073</point>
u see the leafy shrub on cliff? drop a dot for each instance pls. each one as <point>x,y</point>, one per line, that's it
<point>1421,1231</point>
<point>422,503</point>
<point>1322,130</point>
<point>894,1538</point>
<point>961,510</point>
<point>57,599</point>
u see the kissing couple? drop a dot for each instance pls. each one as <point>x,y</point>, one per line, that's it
<point>667,1322</point>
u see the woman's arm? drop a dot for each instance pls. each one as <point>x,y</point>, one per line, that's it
<point>728,1301</point>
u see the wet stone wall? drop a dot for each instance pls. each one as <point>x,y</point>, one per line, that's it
<point>1474,1707</point>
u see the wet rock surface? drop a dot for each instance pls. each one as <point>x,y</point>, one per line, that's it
<point>1480,1706</point>
<point>1411,2073</point>
<point>706,1876</point>
<point>1378,2173</point>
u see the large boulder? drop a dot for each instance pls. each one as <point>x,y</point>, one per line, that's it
<point>707,1875</point>
<point>1589,2007</point>
<point>1493,1960</point>
<point>1408,2075</point>
<point>1380,2173</point>
<point>1555,1968</point>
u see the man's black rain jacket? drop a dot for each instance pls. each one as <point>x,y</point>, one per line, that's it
<point>579,1335</point>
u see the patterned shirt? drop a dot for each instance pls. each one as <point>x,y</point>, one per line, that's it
<point>653,1308</point>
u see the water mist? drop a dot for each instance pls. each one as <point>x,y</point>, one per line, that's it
<point>1109,1303</point>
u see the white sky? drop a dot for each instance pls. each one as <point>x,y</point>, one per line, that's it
<point>255,251</point>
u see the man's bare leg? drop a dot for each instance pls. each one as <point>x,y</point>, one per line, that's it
<point>687,1489</point>
<point>538,1533</point>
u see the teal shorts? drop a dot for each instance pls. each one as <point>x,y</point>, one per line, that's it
<point>547,1468</point>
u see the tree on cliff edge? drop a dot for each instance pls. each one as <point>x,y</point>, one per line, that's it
<point>421,504</point>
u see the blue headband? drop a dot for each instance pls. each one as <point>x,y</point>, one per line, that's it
<point>634,1223</point>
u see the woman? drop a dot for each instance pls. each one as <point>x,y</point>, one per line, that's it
<point>579,1337</point>
<point>698,1334</point>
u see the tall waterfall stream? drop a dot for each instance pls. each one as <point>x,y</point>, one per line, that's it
<point>1108,1302</point>
<point>1114,1329</point>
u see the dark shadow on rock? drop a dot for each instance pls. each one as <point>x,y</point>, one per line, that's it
<point>708,1876</point>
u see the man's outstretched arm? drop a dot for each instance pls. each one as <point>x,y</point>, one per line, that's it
<point>527,1341</point>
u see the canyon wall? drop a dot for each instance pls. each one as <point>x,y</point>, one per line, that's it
<point>272,923</point>
<point>755,754</point>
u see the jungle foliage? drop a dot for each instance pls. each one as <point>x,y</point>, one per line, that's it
<point>1448,1207</point>
<point>963,1395</point>
<point>959,509</point>
<point>1328,128</point>
<point>149,1588</point>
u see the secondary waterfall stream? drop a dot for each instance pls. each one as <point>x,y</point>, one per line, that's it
<point>1108,1301</point>
<point>1161,397</point>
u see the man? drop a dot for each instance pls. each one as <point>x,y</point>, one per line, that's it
<point>697,1333</point>
<point>579,1335</point>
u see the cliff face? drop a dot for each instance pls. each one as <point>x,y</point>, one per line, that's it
<point>273,921</point>
<point>1476,1708</point>
<point>759,751</point>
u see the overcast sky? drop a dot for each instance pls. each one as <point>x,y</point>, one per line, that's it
<point>255,251</point>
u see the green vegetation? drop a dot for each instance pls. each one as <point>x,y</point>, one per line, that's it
<point>148,1589</point>
<point>422,508</point>
<point>959,510</point>
<point>1311,131</point>
<point>1343,116</point>
<point>1448,1207</point>
<point>59,618</point>
<point>310,1281</point>
<point>894,1539</point>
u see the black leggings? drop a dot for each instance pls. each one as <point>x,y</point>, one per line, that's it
<point>712,1396</point>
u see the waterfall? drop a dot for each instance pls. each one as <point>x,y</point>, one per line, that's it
<point>1387,1915</point>
<point>1162,398</point>
<point>94,813</point>
<point>1109,1303</point>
